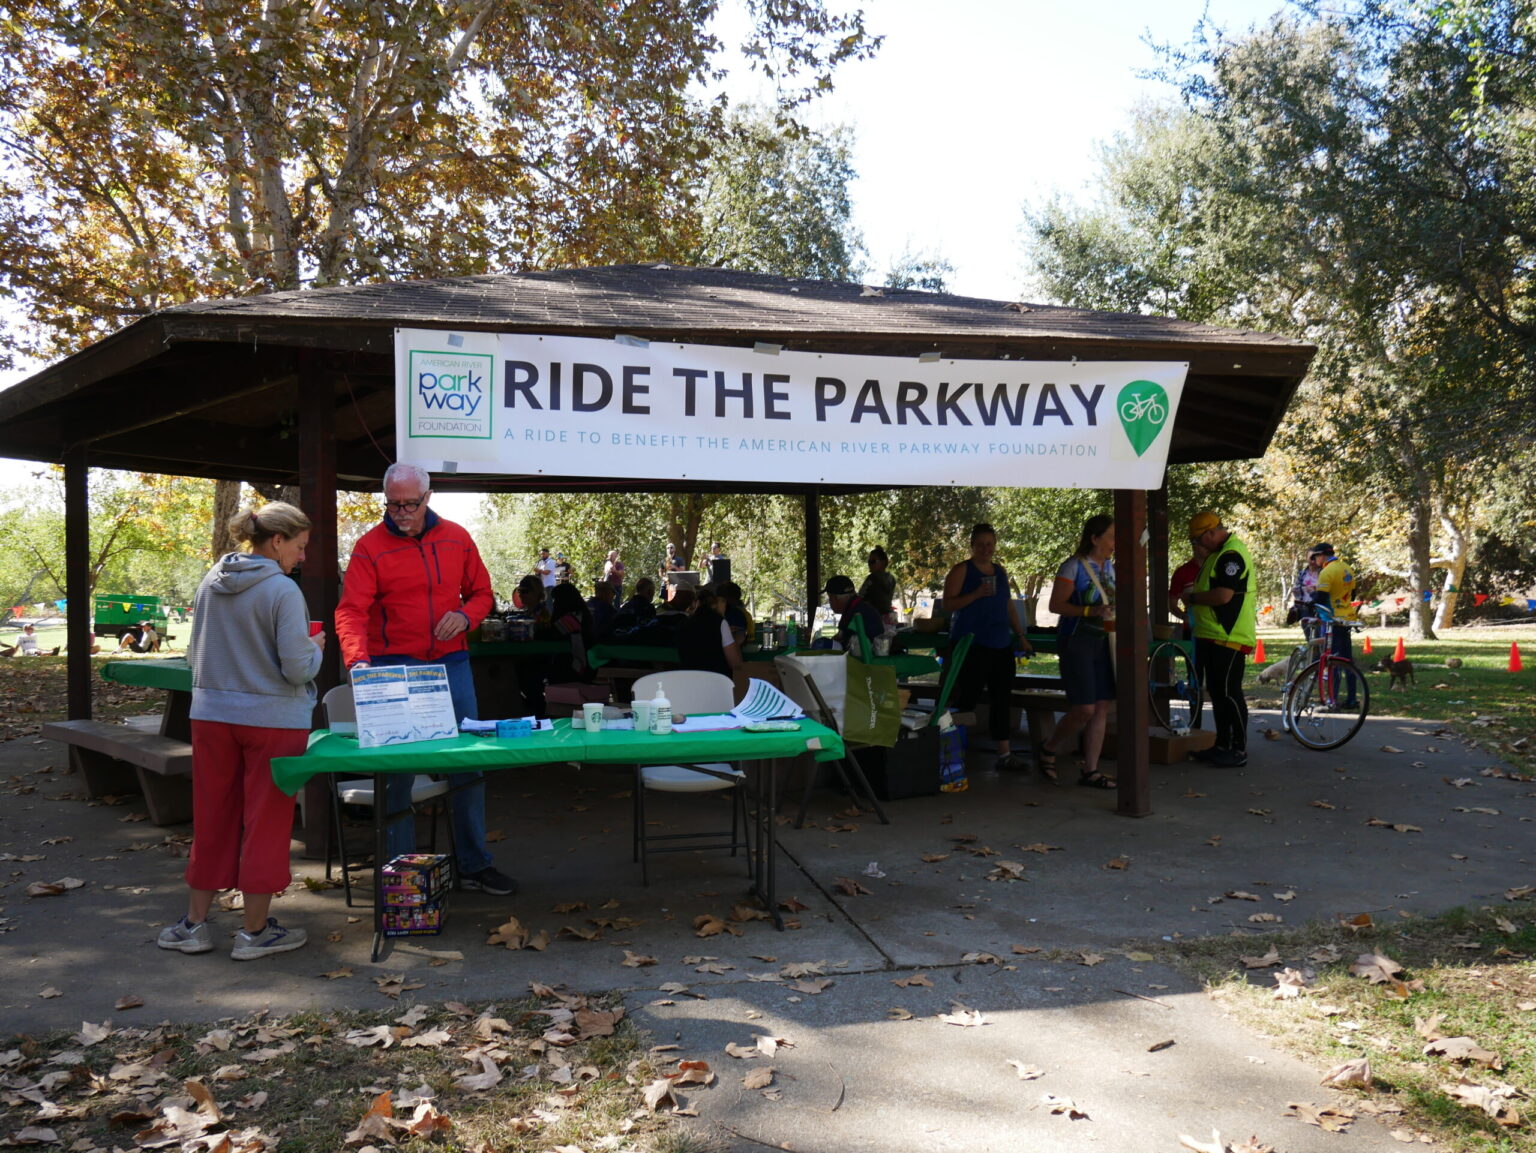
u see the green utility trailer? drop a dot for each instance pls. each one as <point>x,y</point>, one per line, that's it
<point>114,615</point>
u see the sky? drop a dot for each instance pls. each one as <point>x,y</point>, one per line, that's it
<point>975,108</point>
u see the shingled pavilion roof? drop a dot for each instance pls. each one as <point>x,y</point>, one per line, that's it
<point>211,388</point>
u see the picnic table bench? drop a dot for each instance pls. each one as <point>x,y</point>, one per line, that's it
<point>113,759</point>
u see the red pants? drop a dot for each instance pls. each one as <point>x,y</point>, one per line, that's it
<point>241,821</point>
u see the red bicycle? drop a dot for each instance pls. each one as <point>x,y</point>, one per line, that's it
<point>1314,712</point>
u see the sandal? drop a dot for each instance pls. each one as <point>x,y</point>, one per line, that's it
<point>1046,762</point>
<point>1097,781</point>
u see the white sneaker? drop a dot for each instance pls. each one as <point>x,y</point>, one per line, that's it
<point>185,937</point>
<point>267,942</point>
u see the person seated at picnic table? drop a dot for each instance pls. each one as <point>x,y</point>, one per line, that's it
<point>639,608</point>
<point>600,605</point>
<point>569,621</point>
<point>849,607</point>
<point>879,587</point>
<point>736,614</point>
<point>704,639</point>
<point>528,599</point>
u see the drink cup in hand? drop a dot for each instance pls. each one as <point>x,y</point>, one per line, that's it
<point>989,584</point>
<point>316,628</point>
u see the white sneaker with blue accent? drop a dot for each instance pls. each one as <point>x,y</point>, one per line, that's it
<point>267,941</point>
<point>185,937</point>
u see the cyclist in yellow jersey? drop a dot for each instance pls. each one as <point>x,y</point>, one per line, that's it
<point>1335,593</point>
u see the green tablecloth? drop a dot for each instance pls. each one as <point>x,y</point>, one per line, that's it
<point>621,654</point>
<point>171,673</point>
<point>1041,640</point>
<point>330,752</point>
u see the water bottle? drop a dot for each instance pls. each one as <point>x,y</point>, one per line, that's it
<point>791,637</point>
<point>661,711</point>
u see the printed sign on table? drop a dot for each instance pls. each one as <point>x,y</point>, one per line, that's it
<point>402,704</point>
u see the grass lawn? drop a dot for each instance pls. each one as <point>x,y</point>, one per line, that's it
<point>1453,1029</point>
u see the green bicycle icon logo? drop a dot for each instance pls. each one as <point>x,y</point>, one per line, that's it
<point>1139,407</point>
<point>1143,409</point>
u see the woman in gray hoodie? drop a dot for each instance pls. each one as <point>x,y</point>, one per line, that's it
<point>253,666</point>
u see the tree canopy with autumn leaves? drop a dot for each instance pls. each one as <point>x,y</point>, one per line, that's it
<point>160,152</point>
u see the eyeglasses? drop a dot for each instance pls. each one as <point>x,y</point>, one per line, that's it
<point>404,505</point>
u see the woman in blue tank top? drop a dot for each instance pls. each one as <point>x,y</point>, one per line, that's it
<point>976,595</point>
<point>1083,600</point>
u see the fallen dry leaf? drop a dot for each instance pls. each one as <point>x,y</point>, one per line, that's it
<point>1063,1105</point>
<point>759,1078</point>
<point>914,979</point>
<point>1290,983</point>
<point>1026,1072</point>
<point>968,1018</point>
<point>1355,1074</point>
<point>1328,1117</point>
<point>1270,958</point>
<point>1463,1049</point>
<point>1492,1100</point>
<point>850,888</point>
<point>636,960</point>
<point>1375,968</point>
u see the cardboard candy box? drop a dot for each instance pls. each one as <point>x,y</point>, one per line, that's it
<point>414,879</point>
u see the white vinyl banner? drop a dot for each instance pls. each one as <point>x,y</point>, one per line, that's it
<point>570,406</point>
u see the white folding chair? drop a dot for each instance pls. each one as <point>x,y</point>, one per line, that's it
<point>690,691</point>
<point>340,710</point>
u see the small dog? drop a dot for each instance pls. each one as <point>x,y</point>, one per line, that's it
<point>1401,673</point>
<point>1272,674</point>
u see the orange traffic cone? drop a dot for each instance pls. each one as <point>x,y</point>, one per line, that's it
<point>1367,645</point>
<point>1514,659</point>
<point>1399,653</point>
<point>1258,652</point>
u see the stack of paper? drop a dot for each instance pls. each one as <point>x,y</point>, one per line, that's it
<point>763,702</point>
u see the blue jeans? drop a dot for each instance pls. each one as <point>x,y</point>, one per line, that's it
<point>1342,645</point>
<point>466,805</point>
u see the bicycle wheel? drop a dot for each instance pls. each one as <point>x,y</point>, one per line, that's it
<point>1173,687</point>
<point>1293,666</point>
<point>1316,711</point>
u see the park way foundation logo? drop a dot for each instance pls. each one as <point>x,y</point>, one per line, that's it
<point>450,394</point>
<point>1143,409</point>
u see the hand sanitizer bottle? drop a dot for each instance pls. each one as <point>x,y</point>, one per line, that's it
<point>661,711</point>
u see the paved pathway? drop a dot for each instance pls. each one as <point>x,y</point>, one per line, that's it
<point>857,1077</point>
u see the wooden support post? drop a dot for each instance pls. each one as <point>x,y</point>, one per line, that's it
<point>319,576</point>
<point>81,602</point>
<point>812,559</point>
<point>1132,628</point>
<point>1159,563</point>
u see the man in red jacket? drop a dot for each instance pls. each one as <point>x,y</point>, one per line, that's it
<point>414,588</point>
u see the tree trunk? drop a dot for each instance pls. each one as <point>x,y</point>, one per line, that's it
<point>1456,571</point>
<point>1420,517</point>
<point>226,502</point>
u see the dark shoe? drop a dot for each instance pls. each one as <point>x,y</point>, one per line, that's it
<point>1209,754</point>
<point>1230,759</point>
<point>1097,781</point>
<point>489,880</point>
<point>1012,763</point>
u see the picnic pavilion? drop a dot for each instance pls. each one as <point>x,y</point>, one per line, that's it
<point>298,388</point>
